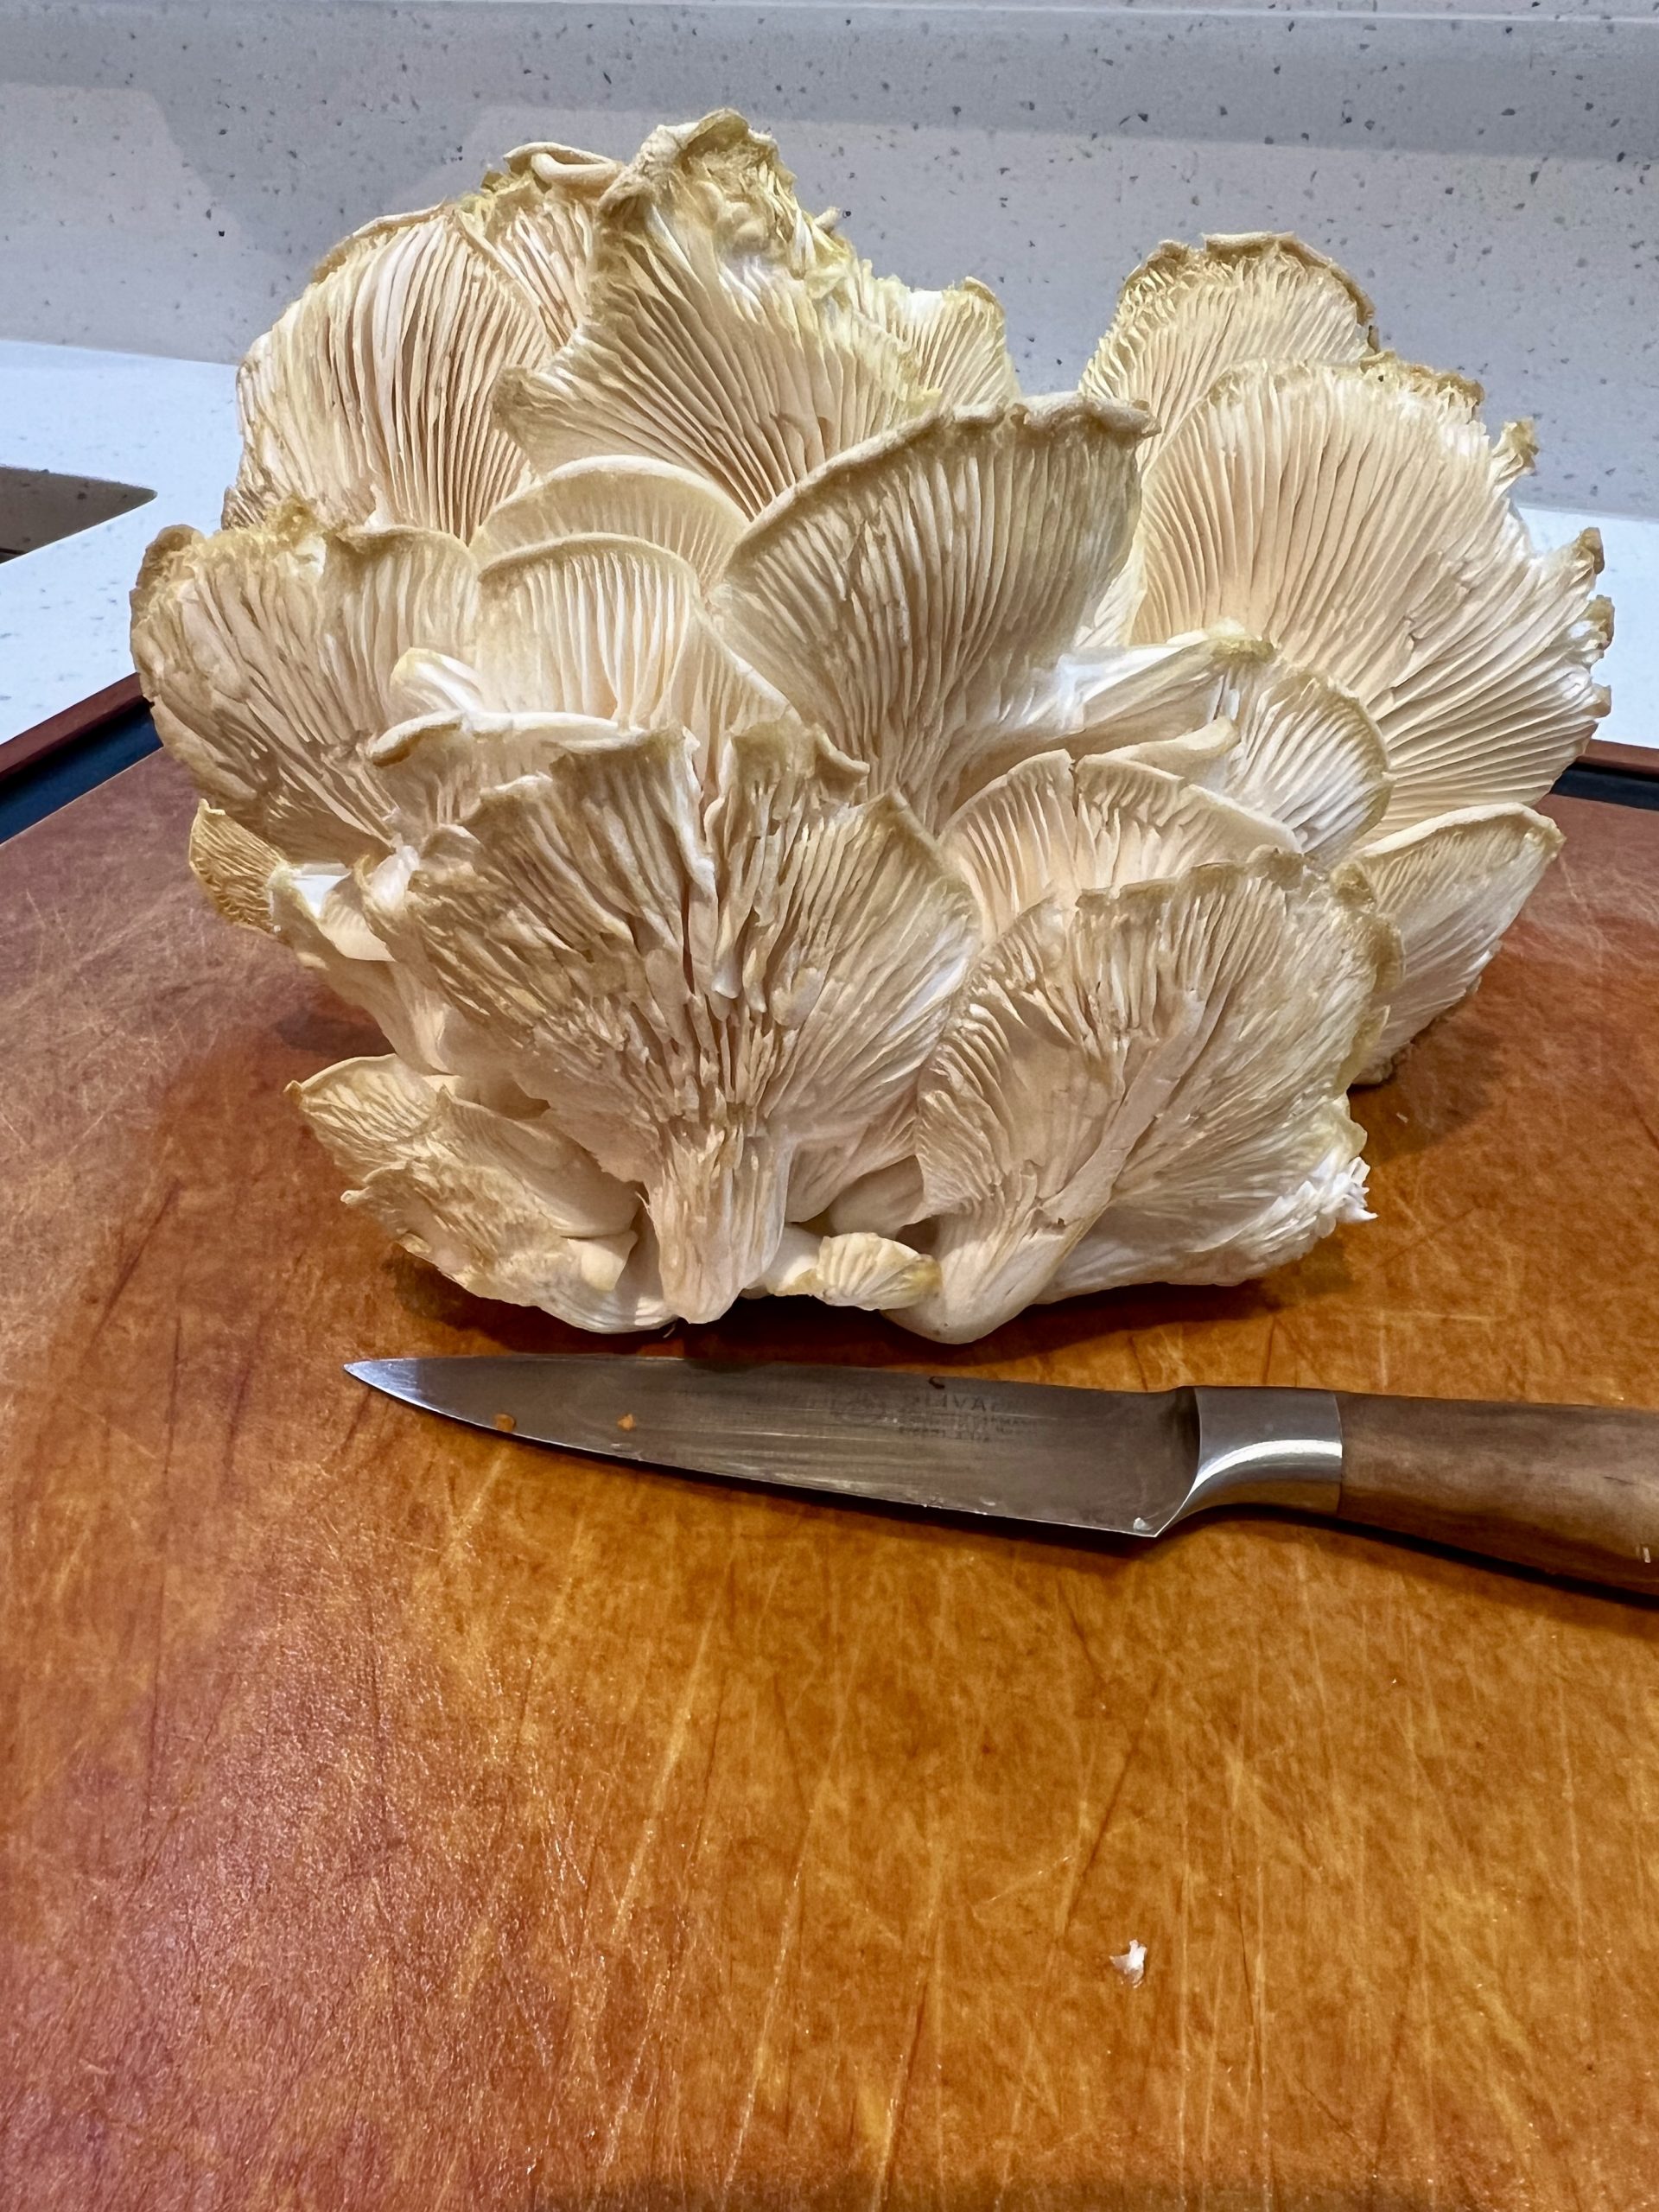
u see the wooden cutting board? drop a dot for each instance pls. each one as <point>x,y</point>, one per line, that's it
<point>398,1818</point>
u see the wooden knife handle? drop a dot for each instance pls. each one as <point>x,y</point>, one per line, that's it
<point>1569,1490</point>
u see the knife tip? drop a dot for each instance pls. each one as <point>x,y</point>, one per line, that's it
<point>375,1372</point>
<point>393,1378</point>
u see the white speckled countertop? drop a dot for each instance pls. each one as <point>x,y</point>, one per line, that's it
<point>1486,168</point>
<point>169,174</point>
<point>129,418</point>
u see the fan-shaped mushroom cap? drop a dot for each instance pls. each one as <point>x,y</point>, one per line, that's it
<point>1054,828</point>
<point>284,660</point>
<point>506,1207</point>
<point>831,835</point>
<point>912,599</point>
<point>1451,888</point>
<point>627,495</point>
<point>727,332</point>
<point>876,1273</point>
<point>613,628</point>
<point>233,867</point>
<point>437,767</point>
<point>1224,710</point>
<point>1190,313</point>
<point>1308,755</point>
<point>1358,518</point>
<point>707,986</point>
<point>268,655</point>
<point>1235,1212</point>
<point>372,397</point>
<point>954,338</point>
<point>1152,1045</point>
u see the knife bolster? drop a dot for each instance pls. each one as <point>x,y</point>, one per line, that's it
<point>1267,1447</point>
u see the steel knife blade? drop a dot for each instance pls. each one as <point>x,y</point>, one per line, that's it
<point>1565,1489</point>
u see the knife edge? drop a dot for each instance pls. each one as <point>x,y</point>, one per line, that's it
<point>1114,1463</point>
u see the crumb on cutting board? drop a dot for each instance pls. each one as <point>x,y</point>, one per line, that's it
<point>505,1423</point>
<point>1132,1964</point>
<point>627,1421</point>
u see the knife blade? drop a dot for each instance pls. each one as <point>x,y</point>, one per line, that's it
<point>1571,1489</point>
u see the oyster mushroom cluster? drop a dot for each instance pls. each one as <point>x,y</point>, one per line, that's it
<point>808,819</point>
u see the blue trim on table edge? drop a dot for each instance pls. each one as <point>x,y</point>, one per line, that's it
<point>30,793</point>
<point>1622,786</point>
<point>33,792</point>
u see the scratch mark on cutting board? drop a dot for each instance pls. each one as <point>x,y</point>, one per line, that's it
<point>1109,1811</point>
<point>1057,1939</point>
<point>1575,1867</point>
<point>678,1729</point>
<point>650,1829</point>
<point>1183,1983</point>
<point>463,1523</point>
<point>1083,1645</point>
<point>791,1918</point>
<point>1390,2072</point>
<point>664,1984</point>
<point>1256,1973</point>
<point>159,1652</point>
<point>129,1264</point>
<point>1237,1763</point>
<point>1268,1346</point>
<point>900,2097</point>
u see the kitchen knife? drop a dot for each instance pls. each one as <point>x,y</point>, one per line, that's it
<point>1571,1489</point>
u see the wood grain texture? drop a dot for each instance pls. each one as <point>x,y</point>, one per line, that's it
<point>1579,1495</point>
<point>401,1818</point>
<point>1631,759</point>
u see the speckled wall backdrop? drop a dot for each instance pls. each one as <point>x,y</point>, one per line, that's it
<point>170,172</point>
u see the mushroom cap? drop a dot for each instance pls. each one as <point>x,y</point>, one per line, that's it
<point>809,820</point>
